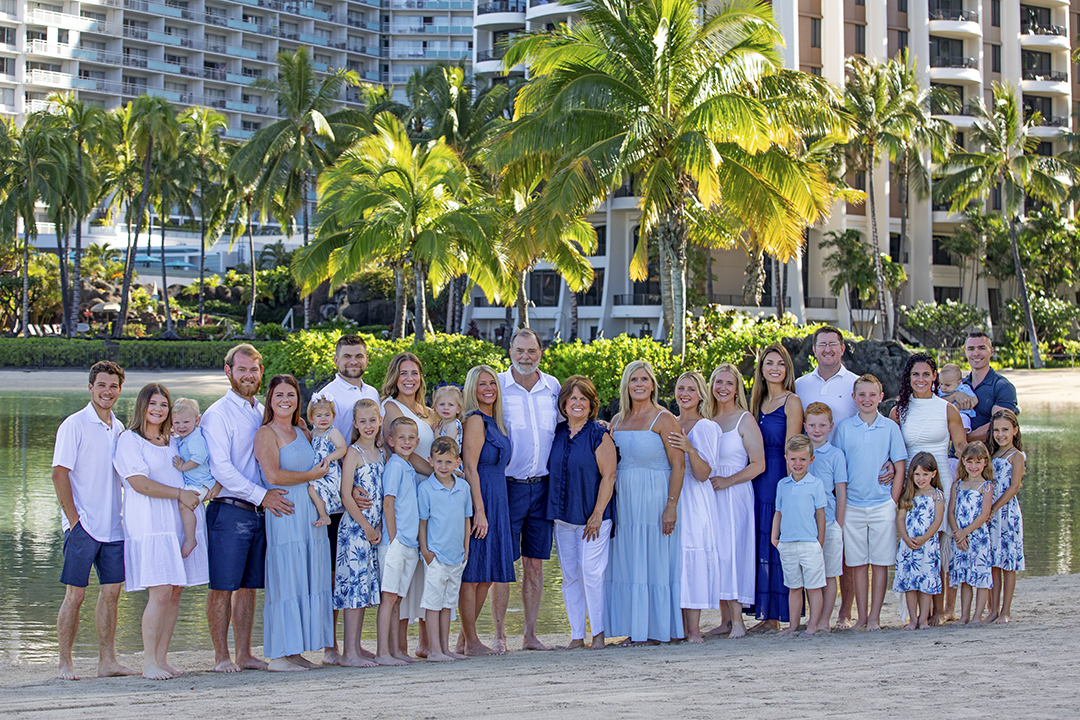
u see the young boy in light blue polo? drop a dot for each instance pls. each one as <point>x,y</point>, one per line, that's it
<point>830,467</point>
<point>798,532</point>
<point>869,440</point>
<point>445,507</point>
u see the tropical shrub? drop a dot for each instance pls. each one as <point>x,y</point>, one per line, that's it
<point>947,323</point>
<point>603,361</point>
<point>1055,319</point>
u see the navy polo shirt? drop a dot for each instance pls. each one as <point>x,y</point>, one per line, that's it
<point>993,390</point>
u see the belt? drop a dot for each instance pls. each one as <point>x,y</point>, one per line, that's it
<point>529,481</point>
<point>242,504</point>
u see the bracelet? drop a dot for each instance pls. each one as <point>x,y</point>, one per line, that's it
<point>670,497</point>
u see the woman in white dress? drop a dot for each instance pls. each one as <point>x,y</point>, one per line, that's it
<point>740,459</point>
<point>403,394</point>
<point>153,530</point>
<point>928,424</point>
<point>700,440</point>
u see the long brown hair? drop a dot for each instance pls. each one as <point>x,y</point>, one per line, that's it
<point>1009,415</point>
<point>921,461</point>
<point>975,450</point>
<point>761,388</point>
<point>390,388</point>
<point>137,422</point>
<point>268,412</point>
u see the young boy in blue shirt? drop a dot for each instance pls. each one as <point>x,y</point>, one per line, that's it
<point>830,467</point>
<point>869,440</point>
<point>445,505</point>
<point>798,532</point>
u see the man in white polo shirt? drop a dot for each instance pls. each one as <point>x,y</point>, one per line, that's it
<point>530,409</point>
<point>89,494</point>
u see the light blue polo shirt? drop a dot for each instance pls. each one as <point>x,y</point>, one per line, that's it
<point>797,503</point>
<point>399,481</point>
<point>445,511</point>
<point>866,448</point>
<point>830,467</point>
<point>193,448</point>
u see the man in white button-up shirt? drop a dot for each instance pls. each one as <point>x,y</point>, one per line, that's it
<point>236,531</point>
<point>530,409</point>
<point>89,494</point>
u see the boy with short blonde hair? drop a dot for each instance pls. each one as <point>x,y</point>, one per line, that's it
<point>194,462</point>
<point>950,380</point>
<point>829,466</point>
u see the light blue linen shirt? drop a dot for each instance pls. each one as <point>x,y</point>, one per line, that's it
<point>797,502</point>
<point>399,482</point>
<point>445,511</point>
<point>866,448</point>
<point>193,448</point>
<point>830,467</point>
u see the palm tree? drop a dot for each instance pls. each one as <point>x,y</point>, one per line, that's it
<point>153,123</point>
<point>200,139</point>
<point>388,200</point>
<point>236,210</point>
<point>286,156</point>
<point>694,105</point>
<point>172,187</point>
<point>1008,162</point>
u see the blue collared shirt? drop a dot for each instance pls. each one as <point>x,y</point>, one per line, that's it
<point>399,481</point>
<point>445,510</point>
<point>866,448</point>
<point>193,448</point>
<point>797,502</point>
<point>993,390</point>
<point>830,467</point>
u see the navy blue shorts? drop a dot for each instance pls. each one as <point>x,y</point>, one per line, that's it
<point>332,531</point>
<point>81,552</point>
<point>236,547</point>
<point>530,530</point>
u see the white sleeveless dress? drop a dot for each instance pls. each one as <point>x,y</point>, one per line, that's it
<point>734,506</point>
<point>697,513</point>
<point>926,429</point>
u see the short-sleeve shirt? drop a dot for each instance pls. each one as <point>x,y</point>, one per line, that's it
<point>797,502</point>
<point>994,390</point>
<point>399,482</point>
<point>531,417</point>
<point>193,449</point>
<point>965,415</point>
<point>445,510</point>
<point>830,467</point>
<point>866,448</point>
<point>85,445</point>
<point>834,392</point>
<point>345,395</point>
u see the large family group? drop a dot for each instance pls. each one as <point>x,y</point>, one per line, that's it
<point>378,500</point>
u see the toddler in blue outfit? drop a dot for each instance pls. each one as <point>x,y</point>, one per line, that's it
<point>194,462</point>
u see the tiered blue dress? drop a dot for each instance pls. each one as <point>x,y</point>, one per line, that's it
<point>356,579</point>
<point>971,566</point>
<point>1007,524</point>
<point>770,593</point>
<point>491,558</point>
<point>920,570</point>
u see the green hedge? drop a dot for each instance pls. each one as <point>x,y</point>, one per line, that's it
<point>129,354</point>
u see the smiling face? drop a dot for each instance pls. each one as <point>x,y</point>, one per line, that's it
<point>351,361</point>
<point>403,440</point>
<point>773,368</point>
<point>686,394</point>
<point>183,422</point>
<point>283,400</point>
<point>922,477</point>
<point>408,379</point>
<point>974,466</point>
<point>104,391</point>
<point>367,422</point>
<point>487,390</point>
<point>444,464</point>
<point>922,379</point>
<point>245,375</point>
<point>577,407</point>
<point>867,396</point>
<point>725,388</point>
<point>828,349</point>
<point>1004,432</point>
<point>978,351</point>
<point>798,461</point>
<point>525,354</point>
<point>157,410</point>
<point>818,428</point>
<point>640,386</point>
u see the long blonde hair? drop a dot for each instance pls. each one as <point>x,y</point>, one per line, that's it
<point>390,388</point>
<point>740,388</point>
<point>624,387</point>
<point>761,387</point>
<point>699,384</point>
<point>472,380</point>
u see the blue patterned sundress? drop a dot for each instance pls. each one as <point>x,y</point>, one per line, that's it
<point>920,570</point>
<point>356,575</point>
<point>1007,524</point>
<point>971,566</point>
<point>329,485</point>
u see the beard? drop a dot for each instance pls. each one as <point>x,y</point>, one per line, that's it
<point>524,368</point>
<point>352,372</point>
<point>245,390</point>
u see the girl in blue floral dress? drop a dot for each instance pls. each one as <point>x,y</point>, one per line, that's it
<point>969,511</point>
<point>356,576</point>
<point>918,558</point>
<point>1006,522</point>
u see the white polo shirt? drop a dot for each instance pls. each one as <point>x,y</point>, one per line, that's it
<point>531,417</point>
<point>84,445</point>
<point>834,392</point>
<point>229,426</point>
<point>345,395</point>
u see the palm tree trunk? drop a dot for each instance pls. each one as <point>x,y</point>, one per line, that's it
<point>1029,318</point>
<point>755,277</point>
<point>399,301</point>
<point>307,298</point>
<point>671,233</point>
<point>507,324</point>
<point>129,269</point>
<point>202,260</point>
<point>573,316</point>
<point>522,300</point>
<point>450,306</point>
<point>708,278</point>
<point>249,324</point>
<point>904,190</point>
<point>879,272</point>
<point>420,302</point>
<point>76,277</point>
<point>778,287</point>
<point>667,298</point>
<point>169,333</point>
<point>62,247</point>
<point>26,283</point>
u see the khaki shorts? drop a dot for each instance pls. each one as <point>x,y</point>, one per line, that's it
<point>870,535</point>
<point>398,567</point>
<point>803,564</point>
<point>442,583</point>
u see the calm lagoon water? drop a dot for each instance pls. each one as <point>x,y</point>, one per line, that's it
<point>30,536</point>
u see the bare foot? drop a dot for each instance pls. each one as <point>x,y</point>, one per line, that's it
<point>873,626</point>
<point>175,671</point>
<point>950,617</point>
<point>404,657</point>
<point>422,651</point>
<point>459,647</point>
<point>765,625</point>
<point>638,643</point>
<point>598,642</point>
<point>937,619</point>
<point>227,666</point>
<point>824,628</point>
<point>321,521</point>
<point>992,617</point>
<point>331,656</point>
<point>388,660</point>
<point>459,656</point>
<point>974,621</point>
<point>694,638</point>
<point>187,547</point>
<point>367,653</point>
<point>498,647</point>
<point>859,625</point>
<point>153,672</point>
<point>809,632</point>
<point>843,624</point>
<point>301,661</point>
<point>1001,619</point>
<point>481,649</point>
<point>438,657</point>
<point>924,626</point>
<point>354,661</point>
<point>720,630</point>
<point>111,669</point>
<point>912,626</point>
<point>251,663</point>
<point>283,665</point>
<point>575,644</point>
<point>534,643</point>
<point>786,631</point>
<point>67,672</point>
<point>738,630</point>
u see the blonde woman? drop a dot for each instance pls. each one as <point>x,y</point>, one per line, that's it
<point>485,452</point>
<point>642,582</point>
<point>403,393</point>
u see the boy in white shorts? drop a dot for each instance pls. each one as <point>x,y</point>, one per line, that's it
<point>830,467</point>
<point>445,506</point>
<point>193,461</point>
<point>798,532</point>
<point>400,535</point>
<point>869,440</point>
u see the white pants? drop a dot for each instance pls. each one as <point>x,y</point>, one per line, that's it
<point>583,564</point>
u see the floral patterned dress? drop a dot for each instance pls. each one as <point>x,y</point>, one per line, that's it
<point>356,576</point>
<point>329,485</point>
<point>920,570</point>
<point>1007,524</point>
<point>971,566</point>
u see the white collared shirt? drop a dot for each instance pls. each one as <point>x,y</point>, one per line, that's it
<point>345,395</point>
<point>531,417</point>
<point>836,392</point>
<point>85,445</point>
<point>229,426</point>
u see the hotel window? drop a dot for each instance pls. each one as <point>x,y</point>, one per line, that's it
<point>995,58</point>
<point>995,13</point>
<point>815,32</point>
<point>860,39</point>
<point>901,41</point>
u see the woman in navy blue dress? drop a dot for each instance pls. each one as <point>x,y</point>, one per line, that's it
<point>485,452</point>
<point>779,413</point>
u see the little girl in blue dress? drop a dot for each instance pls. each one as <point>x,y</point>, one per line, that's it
<point>448,403</point>
<point>921,511</point>
<point>1006,522</point>
<point>969,511</point>
<point>328,443</point>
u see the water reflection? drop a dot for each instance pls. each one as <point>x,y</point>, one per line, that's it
<point>31,557</point>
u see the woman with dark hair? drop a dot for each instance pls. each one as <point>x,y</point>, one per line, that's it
<point>928,424</point>
<point>153,531</point>
<point>299,604</point>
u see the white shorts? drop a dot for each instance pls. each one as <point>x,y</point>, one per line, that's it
<point>833,549</point>
<point>803,563</point>
<point>870,535</point>
<point>398,566</point>
<point>442,583</point>
<point>201,490</point>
